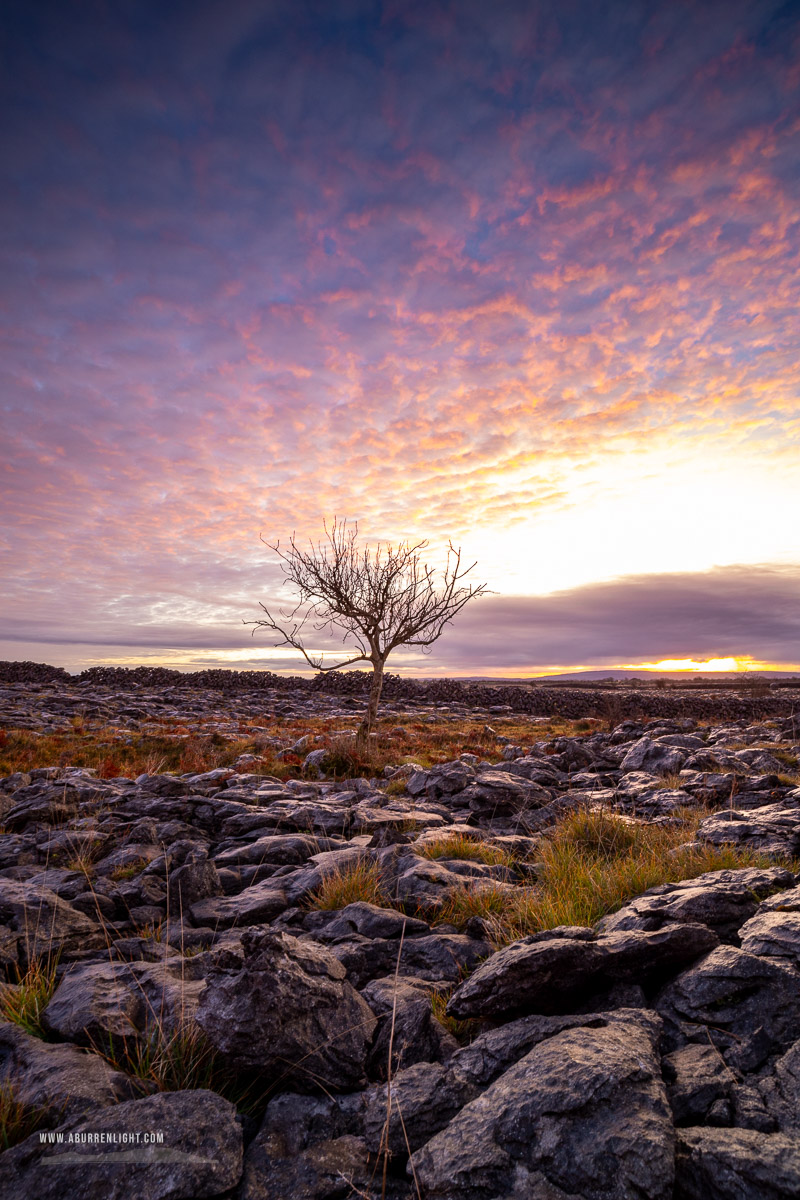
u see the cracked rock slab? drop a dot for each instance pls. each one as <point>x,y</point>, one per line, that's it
<point>288,1009</point>
<point>583,1116</point>
<point>200,1156</point>
<point>546,972</point>
<point>736,1164</point>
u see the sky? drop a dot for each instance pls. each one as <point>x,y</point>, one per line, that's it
<point>523,275</point>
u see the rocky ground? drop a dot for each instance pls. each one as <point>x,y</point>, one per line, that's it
<point>177,964</point>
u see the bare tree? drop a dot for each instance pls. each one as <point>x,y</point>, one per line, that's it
<point>377,599</point>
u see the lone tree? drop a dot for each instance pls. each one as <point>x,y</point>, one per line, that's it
<point>377,599</point>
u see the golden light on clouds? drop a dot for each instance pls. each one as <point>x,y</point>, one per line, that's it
<point>708,666</point>
<point>516,275</point>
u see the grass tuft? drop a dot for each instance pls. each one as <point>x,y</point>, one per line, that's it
<point>17,1119</point>
<point>487,900</point>
<point>462,1031</point>
<point>24,1000</point>
<point>182,1059</point>
<point>360,881</point>
<point>462,846</point>
<point>590,865</point>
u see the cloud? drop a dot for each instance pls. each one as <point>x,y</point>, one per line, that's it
<point>743,612</point>
<point>437,268</point>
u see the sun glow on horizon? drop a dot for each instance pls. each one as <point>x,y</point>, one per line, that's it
<point>744,663</point>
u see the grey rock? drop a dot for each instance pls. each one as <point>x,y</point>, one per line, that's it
<point>584,1114</point>
<point>369,920</point>
<point>447,779</point>
<point>275,848</point>
<point>748,1007</point>
<point>499,793</point>
<point>407,1030</point>
<point>101,1001</point>
<point>253,906</point>
<point>736,1164</point>
<point>773,934</point>
<point>316,761</point>
<point>544,972</point>
<point>435,957</point>
<point>773,829</point>
<point>427,883</point>
<point>780,1090</point>
<point>654,757</point>
<point>697,1077</point>
<point>195,880</point>
<point>201,1154</point>
<point>428,1095</point>
<point>288,1010</point>
<point>722,900</point>
<point>60,1078</point>
<point>310,1148</point>
<point>44,925</point>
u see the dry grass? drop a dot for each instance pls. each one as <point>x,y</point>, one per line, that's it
<point>590,865</point>
<point>182,1059</point>
<point>113,751</point>
<point>17,1119</point>
<point>490,901</point>
<point>462,846</point>
<point>129,870</point>
<point>671,780</point>
<point>24,1000</point>
<point>361,881</point>
<point>462,1031</point>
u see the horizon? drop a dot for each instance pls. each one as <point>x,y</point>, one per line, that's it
<point>524,276</point>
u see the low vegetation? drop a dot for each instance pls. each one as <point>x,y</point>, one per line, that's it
<point>471,849</point>
<point>115,752</point>
<point>361,881</point>
<point>24,999</point>
<point>179,1059</point>
<point>590,865</point>
<point>19,1120</point>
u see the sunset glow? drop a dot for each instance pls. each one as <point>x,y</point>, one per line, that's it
<point>712,664</point>
<point>525,276</point>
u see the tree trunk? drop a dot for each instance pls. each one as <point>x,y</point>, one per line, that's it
<point>365,728</point>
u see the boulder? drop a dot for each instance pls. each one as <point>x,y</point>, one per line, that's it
<point>499,793</point>
<point>61,1078</point>
<point>546,971</point>
<point>722,900</point>
<point>310,1148</point>
<point>44,925</point>
<point>780,1090</point>
<point>697,1078</point>
<point>280,849</point>
<point>407,1030</point>
<point>773,934</point>
<point>287,1009</point>
<point>584,1114</point>
<point>255,905</point>
<point>102,1001</point>
<point>774,829</point>
<point>368,920</point>
<point>736,1164</point>
<point>195,880</point>
<point>747,1006</point>
<point>435,957</point>
<point>654,757</point>
<point>200,1155</point>
<point>428,1095</point>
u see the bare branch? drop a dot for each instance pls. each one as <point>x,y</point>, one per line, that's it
<point>375,599</point>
